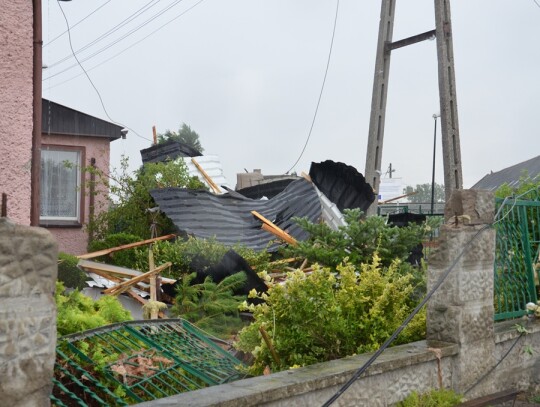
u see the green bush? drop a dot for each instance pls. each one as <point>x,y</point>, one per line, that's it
<point>76,312</point>
<point>185,253</point>
<point>358,241</point>
<point>210,306</point>
<point>123,258</point>
<point>68,272</point>
<point>128,197</point>
<point>433,398</point>
<point>331,314</point>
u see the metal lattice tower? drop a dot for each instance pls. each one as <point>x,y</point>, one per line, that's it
<point>453,178</point>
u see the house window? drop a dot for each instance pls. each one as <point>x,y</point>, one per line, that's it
<point>61,186</point>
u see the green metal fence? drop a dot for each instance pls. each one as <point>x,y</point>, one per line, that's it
<point>137,361</point>
<point>516,254</point>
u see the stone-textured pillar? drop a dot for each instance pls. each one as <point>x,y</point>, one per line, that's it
<point>28,269</point>
<point>461,311</point>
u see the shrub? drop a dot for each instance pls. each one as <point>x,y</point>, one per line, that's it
<point>124,258</point>
<point>358,241</point>
<point>210,306</point>
<point>328,315</point>
<point>77,312</point>
<point>68,272</point>
<point>433,398</point>
<point>130,199</point>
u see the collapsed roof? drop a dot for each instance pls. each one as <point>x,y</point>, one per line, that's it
<point>342,184</point>
<point>229,220</point>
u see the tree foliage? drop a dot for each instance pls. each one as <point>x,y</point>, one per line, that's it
<point>129,198</point>
<point>357,241</point>
<point>528,188</point>
<point>210,306</point>
<point>331,314</point>
<point>423,193</point>
<point>77,312</point>
<point>185,135</point>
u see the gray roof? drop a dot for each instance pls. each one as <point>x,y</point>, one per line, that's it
<point>229,219</point>
<point>510,175</point>
<point>58,119</point>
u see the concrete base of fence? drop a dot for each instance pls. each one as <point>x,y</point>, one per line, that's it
<point>391,378</point>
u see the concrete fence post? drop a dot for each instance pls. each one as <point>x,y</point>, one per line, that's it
<point>28,269</point>
<point>462,310</point>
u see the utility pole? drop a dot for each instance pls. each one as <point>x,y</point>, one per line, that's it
<point>453,178</point>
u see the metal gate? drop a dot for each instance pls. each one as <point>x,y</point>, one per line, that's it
<point>516,255</point>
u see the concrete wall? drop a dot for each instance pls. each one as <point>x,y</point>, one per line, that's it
<point>390,379</point>
<point>75,240</point>
<point>16,51</point>
<point>28,267</point>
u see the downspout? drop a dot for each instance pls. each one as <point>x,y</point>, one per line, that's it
<point>36,132</point>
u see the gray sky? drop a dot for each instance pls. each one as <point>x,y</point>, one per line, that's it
<point>246,75</point>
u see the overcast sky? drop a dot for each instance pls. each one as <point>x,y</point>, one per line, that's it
<point>246,75</point>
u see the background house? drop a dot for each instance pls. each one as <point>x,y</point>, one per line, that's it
<point>72,140</point>
<point>510,175</point>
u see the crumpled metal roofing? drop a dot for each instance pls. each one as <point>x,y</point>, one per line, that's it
<point>229,219</point>
<point>342,184</point>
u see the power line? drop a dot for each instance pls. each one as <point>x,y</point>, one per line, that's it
<point>537,4</point>
<point>131,46</point>
<point>90,80</point>
<point>77,23</point>
<point>121,24</point>
<point>396,333</point>
<point>322,89</point>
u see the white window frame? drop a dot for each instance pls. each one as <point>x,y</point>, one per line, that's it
<point>67,220</point>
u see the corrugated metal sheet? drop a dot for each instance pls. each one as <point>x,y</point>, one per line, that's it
<point>212,166</point>
<point>331,214</point>
<point>266,188</point>
<point>342,184</point>
<point>58,119</point>
<point>228,219</point>
<point>510,175</point>
<point>169,150</point>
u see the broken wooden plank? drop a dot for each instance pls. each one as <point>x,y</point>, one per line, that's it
<point>271,227</point>
<point>120,288</point>
<point>124,247</point>
<point>280,234</point>
<point>107,270</point>
<point>206,176</point>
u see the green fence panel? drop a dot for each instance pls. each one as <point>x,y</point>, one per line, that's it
<point>137,361</point>
<point>516,253</point>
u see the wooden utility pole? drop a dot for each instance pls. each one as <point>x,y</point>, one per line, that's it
<point>453,178</point>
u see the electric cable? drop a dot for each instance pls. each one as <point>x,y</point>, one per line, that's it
<point>90,80</point>
<point>497,364</point>
<point>391,339</point>
<point>321,92</point>
<point>116,41</point>
<point>537,4</point>
<point>77,23</point>
<point>131,46</point>
<point>112,30</point>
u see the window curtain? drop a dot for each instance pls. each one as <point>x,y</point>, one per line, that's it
<point>60,184</point>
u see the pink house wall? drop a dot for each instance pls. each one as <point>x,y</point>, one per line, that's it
<point>75,240</point>
<point>16,95</point>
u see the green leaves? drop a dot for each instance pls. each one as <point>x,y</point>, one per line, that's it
<point>77,312</point>
<point>331,313</point>
<point>210,306</point>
